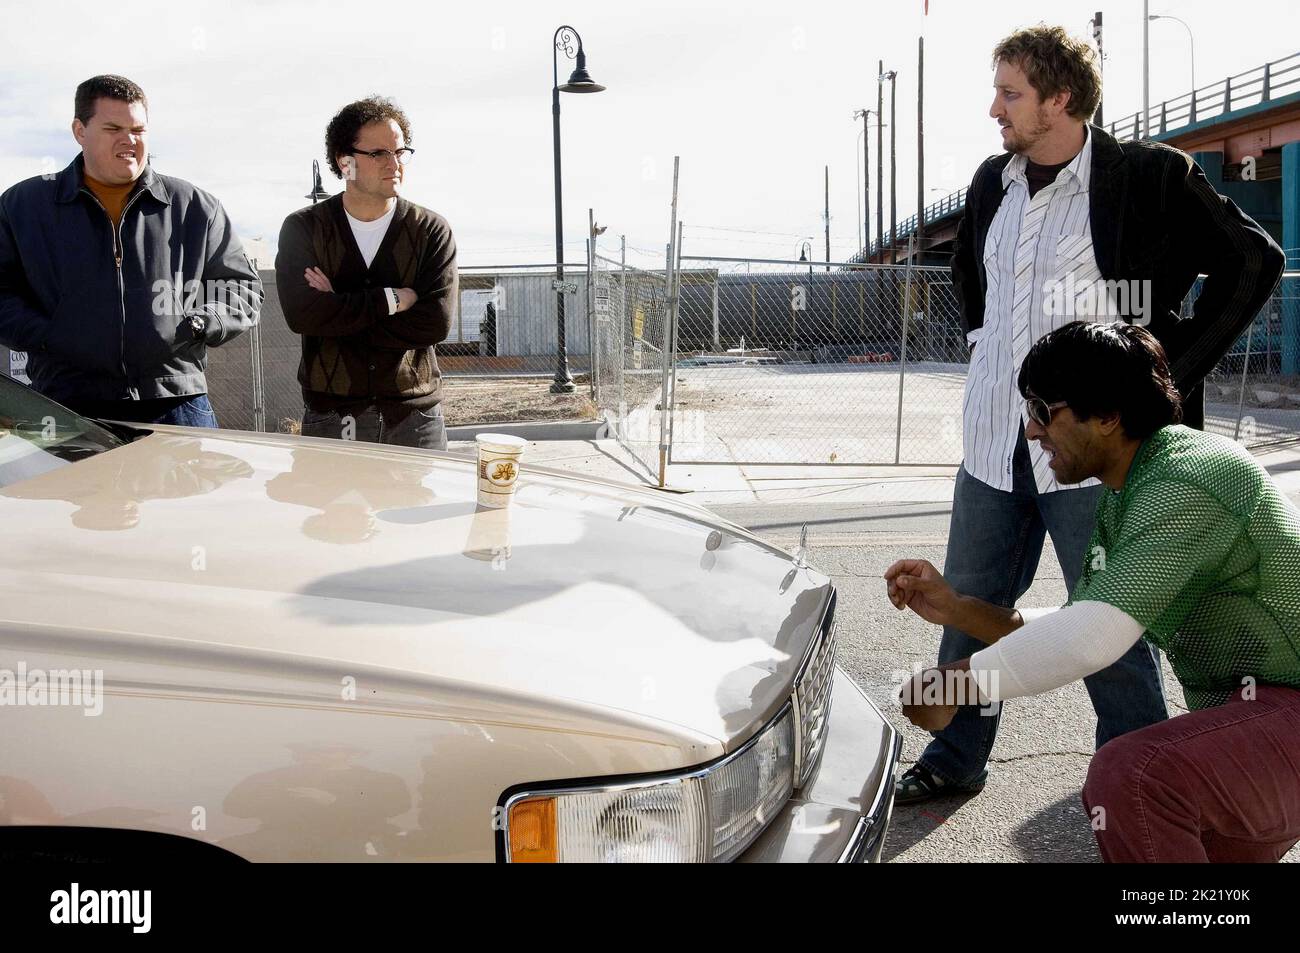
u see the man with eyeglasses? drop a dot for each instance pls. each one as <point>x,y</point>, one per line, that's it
<point>1070,222</point>
<point>369,280</point>
<point>1196,552</point>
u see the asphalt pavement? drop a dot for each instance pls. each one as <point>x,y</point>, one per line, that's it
<point>859,520</point>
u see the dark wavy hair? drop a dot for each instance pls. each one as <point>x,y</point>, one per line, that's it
<point>341,134</point>
<point>1105,369</point>
<point>106,86</point>
<point>1053,61</point>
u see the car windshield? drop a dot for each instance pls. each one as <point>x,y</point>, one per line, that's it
<point>37,435</point>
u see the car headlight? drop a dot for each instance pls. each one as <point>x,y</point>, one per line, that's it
<point>710,814</point>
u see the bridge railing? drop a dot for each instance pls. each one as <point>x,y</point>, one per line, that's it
<point>1259,85</point>
<point>950,203</point>
<point>1262,84</point>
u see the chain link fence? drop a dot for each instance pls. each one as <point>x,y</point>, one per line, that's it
<point>504,328</point>
<point>1253,395</point>
<point>775,362</point>
<point>783,362</point>
<point>631,307</point>
<point>253,380</point>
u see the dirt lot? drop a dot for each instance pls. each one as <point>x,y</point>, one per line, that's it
<point>482,400</point>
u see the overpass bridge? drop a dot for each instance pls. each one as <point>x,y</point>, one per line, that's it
<point>1243,130</point>
<point>1254,114</point>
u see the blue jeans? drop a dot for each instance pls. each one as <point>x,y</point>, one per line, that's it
<point>192,411</point>
<point>424,429</point>
<point>994,542</point>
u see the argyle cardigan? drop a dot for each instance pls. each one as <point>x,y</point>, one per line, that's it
<point>353,351</point>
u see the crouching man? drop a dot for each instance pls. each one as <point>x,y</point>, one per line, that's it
<point>1196,550</point>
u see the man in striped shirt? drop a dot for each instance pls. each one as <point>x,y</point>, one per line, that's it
<point>1070,224</point>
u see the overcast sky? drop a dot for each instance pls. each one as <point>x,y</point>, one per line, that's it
<point>755,97</point>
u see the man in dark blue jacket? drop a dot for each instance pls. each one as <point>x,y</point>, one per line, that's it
<point>114,279</point>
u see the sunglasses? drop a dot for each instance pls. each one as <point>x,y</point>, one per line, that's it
<point>1040,411</point>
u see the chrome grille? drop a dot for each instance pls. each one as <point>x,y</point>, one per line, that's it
<point>812,699</point>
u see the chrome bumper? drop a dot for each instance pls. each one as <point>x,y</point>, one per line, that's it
<point>842,814</point>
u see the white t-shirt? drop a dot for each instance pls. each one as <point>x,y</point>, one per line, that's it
<point>370,235</point>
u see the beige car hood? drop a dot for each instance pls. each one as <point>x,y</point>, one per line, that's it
<point>583,593</point>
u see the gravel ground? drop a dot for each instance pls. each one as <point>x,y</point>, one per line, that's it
<point>482,400</point>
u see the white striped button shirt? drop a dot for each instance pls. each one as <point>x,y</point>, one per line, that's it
<point>1031,244</point>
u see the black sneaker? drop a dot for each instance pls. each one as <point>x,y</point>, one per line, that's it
<point>919,783</point>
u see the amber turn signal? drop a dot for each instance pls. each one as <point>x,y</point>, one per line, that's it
<point>534,838</point>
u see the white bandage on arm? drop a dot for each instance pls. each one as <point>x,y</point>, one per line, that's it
<point>1029,615</point>
<point>1054,650</point>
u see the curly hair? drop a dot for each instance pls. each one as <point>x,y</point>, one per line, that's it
<point>106,86</point>
<point>341,134</point>
<point>1104,369</point>
<point>1053,61</point>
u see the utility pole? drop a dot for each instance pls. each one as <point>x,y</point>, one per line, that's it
<point>920,141</point>
<point>880,157</point>
<point>857,186</point>
<point>827,216</point>
<point>1146,71</point>
<point>1101,63</point>
<point>866,179</point>
<point>892,76</point>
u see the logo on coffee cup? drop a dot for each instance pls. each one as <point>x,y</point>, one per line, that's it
<point>498,472</point>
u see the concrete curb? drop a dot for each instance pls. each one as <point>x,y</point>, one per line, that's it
<point>536,430</point>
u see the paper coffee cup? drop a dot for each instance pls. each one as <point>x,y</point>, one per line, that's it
<point>498,467</point>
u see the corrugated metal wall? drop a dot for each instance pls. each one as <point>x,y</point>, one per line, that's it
<point>526,315</point>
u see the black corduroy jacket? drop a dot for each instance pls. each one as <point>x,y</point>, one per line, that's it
<point>353,350</point>
<point>1154,217</point>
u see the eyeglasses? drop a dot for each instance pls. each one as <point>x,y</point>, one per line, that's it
<point>403,156</point>
<point>1040,411</point>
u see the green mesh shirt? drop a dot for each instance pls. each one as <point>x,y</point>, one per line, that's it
<point>1202,548</point>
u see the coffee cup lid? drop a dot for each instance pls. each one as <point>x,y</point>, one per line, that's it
<point>502,441</point>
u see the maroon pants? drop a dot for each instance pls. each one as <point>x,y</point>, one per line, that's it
<point>1220,785</point>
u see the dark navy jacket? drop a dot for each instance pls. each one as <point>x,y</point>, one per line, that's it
<point>100,325</point>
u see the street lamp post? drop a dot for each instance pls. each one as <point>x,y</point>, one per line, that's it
<point>805,254</point>
<point>317,190</point>
<point>566,37</point>
<point>1191,43</point>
